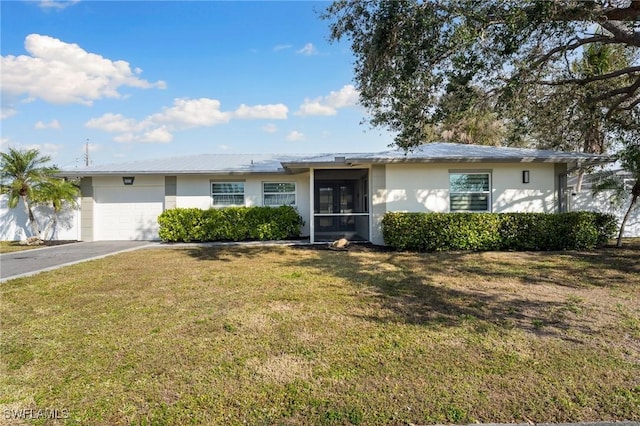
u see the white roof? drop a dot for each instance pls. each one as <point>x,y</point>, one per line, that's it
<point>286,163</point>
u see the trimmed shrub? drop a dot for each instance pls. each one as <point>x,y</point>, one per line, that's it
<point>229,224</point>
<point>497,231</point>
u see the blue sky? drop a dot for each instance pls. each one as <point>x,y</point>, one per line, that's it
<point>153,79</point>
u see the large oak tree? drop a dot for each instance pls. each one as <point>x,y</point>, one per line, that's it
<point>412,56</point>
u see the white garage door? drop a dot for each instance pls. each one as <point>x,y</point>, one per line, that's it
<point>127,212</point>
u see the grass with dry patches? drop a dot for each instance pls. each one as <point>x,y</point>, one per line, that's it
<point>305,336</point>
<point>12,246</point>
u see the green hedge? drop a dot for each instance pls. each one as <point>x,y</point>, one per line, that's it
<point>497,231</point>
<point>229,224</point>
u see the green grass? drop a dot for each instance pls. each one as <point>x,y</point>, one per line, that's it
<point>301,336</point>
<point>11,246</point>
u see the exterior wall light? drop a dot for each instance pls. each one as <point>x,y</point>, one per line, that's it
<point>525,176</point>
<point>128,180</point>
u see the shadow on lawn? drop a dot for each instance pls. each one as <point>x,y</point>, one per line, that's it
<point>226,253</point>
<point>416,288</point>
<point>458,288</point>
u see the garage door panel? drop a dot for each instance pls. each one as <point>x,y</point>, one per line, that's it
<point>128,213</point>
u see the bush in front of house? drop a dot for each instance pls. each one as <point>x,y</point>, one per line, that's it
<point>229,224</point>
<point>497,231</point>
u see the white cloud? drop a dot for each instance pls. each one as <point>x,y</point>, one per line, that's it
<point>57,4</point>
<point>270,128</point>
<point>295,136</point>
<point>280,47</point>
<point>5,144</point>
<point>224,147</point>
<point>161,134</point>
<point>269,112</point>
<point>49,149</point>
<point>308,50</point>
<point>7,112</point>
<point>310,107</point>
<point>184,114</point>
<point>112,123</point>
<point>63,73</point>
<point>328,105</point>
<point>53,124</point>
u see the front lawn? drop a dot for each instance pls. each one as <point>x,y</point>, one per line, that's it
<point>12,246</point>
<point>285,335</point>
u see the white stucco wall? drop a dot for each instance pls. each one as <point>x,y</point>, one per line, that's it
<point>195,191</point>
<point>601,202</point>
<point>425,187</point>
<point>13,222</point>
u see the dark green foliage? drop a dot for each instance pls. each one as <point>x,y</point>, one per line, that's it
<point>497,231</point>
<point>461,65</point>
<point>229,224</point>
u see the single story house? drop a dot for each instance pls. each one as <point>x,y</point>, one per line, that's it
<point>337,195</point>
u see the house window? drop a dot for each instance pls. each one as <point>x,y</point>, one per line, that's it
<point>227,193</point>
<point>279,194</point>
<point>469,192</point>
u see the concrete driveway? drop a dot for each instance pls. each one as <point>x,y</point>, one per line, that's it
<point>30,262</point>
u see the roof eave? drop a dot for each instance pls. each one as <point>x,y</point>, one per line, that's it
<point>90,173</point>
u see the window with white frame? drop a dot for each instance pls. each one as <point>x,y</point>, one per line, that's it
<point>469,192</point>
<point>227,193</point>
<point>279,193</point>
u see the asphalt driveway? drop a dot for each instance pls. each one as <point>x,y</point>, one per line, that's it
<point>30,262</point>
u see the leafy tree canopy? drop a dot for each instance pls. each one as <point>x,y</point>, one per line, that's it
<point>413,57</point>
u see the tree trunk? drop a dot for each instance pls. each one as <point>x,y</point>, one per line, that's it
<point>50,228</point>
<point>626,217</point>
<point>32,219</point>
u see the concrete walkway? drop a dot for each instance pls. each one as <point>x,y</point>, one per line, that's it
<point>30,262</point>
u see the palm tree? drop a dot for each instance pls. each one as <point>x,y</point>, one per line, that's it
<point>25,170</point>
<point>57,194</point>
<point>629,158</point>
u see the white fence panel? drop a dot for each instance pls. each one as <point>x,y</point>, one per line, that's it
<point>13,222</point>
<point>601,202</point>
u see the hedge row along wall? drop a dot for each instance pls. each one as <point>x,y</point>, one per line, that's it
<point>229,224</point>
<point>497,231</point>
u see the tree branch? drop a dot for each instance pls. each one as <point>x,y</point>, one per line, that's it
<point>583,81</point>
<point>622,33</point>
<point>632,105</point>
<point>623,14</point>
<point>627,90</point>
<point>579,42</point>
<point>591,10</point>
